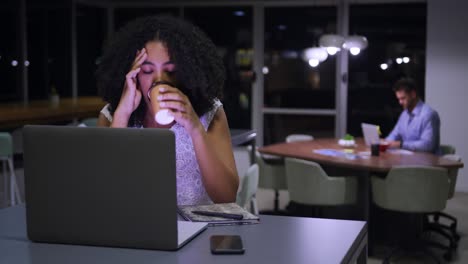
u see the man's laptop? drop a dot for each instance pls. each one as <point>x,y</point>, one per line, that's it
<point>104,187</point>
<point>371,133</point>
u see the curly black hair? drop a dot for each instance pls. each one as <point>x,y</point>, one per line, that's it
<point>200,70</point>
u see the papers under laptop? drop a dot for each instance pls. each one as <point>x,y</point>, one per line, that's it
<point>371,133</point>
<point>104,187</point>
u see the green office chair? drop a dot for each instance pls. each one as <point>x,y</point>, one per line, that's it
<point>272,170</point>
<point>298,137</point>
<point>416,190</point>
<point>90,122</point>
<point>6,156</point>
<point>436,224</point>
<point>248,188</point>
<point>271,176</point>
<point>308,184</point>
<point>447,149</point>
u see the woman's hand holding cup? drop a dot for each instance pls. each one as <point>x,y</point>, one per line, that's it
<point>161,115</point>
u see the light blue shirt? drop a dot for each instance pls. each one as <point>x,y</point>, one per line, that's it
<point>419,130</point>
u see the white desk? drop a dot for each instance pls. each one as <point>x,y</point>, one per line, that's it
<point>277,239</point>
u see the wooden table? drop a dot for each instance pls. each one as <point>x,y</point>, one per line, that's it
<point>13,115</point>
<point>382,163</point>
<point>364,168</point>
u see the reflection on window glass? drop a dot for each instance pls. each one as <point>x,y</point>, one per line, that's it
<point>278,127</point>
<point>230,28</point>
<point>397,47</point>
<point>290,79</point>
<point>49,50</point>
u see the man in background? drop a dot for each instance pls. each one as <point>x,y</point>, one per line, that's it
<point>418,127</point>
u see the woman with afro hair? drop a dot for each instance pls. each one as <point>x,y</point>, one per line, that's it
<point>178,59</point>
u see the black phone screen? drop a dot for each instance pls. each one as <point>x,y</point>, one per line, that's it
<point>226,244</point>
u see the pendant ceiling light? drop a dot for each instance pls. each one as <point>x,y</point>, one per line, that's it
<point>314,56</point>
<point>355,44</point>
<point>332,42</point>
<point>315,53</point>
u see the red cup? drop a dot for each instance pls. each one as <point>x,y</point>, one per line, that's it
<point>383,146</point>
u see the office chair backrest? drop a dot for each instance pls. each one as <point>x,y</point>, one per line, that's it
<point>249,185</point>
<point>309,184</point>
<point>272,176</point>
<point>415,189</point>
<point>90,122</point>
<point>298,137</point>
<point>6,156</point>
<point>6,144</point>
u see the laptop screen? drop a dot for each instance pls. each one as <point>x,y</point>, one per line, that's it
<point>371,133</point>
<point>101,186</point>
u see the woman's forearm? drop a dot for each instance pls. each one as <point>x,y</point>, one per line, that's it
<point>219,178</point>
<point>120,120</point>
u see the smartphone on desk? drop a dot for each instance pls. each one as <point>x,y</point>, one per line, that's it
<point>226,244</point>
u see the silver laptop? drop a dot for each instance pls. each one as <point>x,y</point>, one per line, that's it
<point>104,187</point>
<point>371,133</point>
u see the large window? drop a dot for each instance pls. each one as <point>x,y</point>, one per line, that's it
<point>294,97</point>
<point>290,81</point>
<point>230,28</point>
<point>49,50</point>
<point>91,35</point>
<point>9,52</point>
